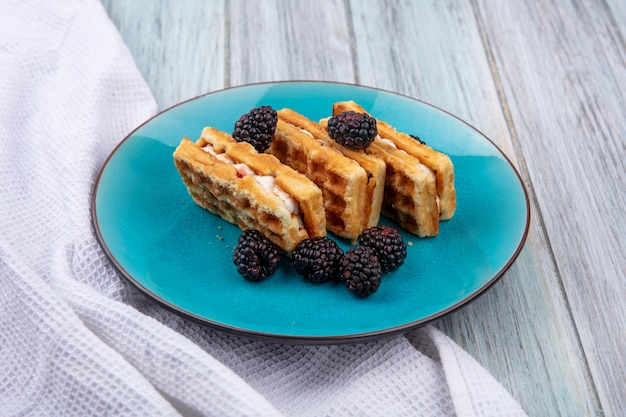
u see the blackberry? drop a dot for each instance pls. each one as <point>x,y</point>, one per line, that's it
<point>317,259</point>
<point>360,271</point>
<point>255,256</point>
<point>417,138</point>
<point>257,127</point>
<point>352,130</point>
<point>387,244</point>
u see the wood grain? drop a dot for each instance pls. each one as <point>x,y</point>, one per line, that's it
<point>431,51</point>
<point>179,50</point>
<point>289,40</point>
<point>563,77</point>
<point>543,80</point>
<point>448,66</point>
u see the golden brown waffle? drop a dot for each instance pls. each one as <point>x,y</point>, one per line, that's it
<point>216,184</point>
<point>410,196</point>
<point>439,163</point>
<point>373,165</point>
<point>342,180</point>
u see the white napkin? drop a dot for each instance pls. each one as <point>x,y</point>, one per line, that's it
<point>77,340</point>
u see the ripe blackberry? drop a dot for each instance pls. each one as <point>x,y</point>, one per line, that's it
<point>387,244</point>
<point>352,130</point>
<point>257,127</point>
<point>317,259</point>
<point>360,271</point>
<point>255,256</point>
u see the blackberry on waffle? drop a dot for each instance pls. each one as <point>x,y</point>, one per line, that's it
<point>437,162</point>
<point>343,182</point>
<point>374,167</point>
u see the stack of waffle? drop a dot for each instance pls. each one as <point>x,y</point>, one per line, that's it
<point>306,183</point>
<point>251,190</point>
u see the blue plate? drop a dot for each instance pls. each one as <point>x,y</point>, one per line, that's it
<point>181,255</point>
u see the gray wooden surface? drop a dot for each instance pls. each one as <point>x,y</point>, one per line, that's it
<point>545,80</point>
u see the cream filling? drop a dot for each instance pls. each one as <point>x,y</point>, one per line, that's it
<point>269,184</point>
<point>304,131</point>
<point>266,181</point>
<point>422,167</point>
<point>387,141</point>
<point>429,171</point>
<point>221,156</point>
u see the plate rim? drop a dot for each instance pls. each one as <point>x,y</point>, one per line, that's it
<point>299,339</point>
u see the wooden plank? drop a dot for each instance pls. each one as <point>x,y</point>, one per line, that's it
<point>289,40</point>
<point>616,14</point>
<point>428,52</point>
<point>179,50</point>
<point>563,76</point>
<point>434,51</point>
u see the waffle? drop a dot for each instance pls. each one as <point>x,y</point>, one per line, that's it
<point>225,181</point>
<point>439,163</point>
<point>373,166</point>
<point>343,181</point>
<point>410,195</point>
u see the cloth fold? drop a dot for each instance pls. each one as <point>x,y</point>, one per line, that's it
<point>78,340</point>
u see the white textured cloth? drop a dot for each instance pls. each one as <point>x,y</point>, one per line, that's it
<point>77,340</point>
